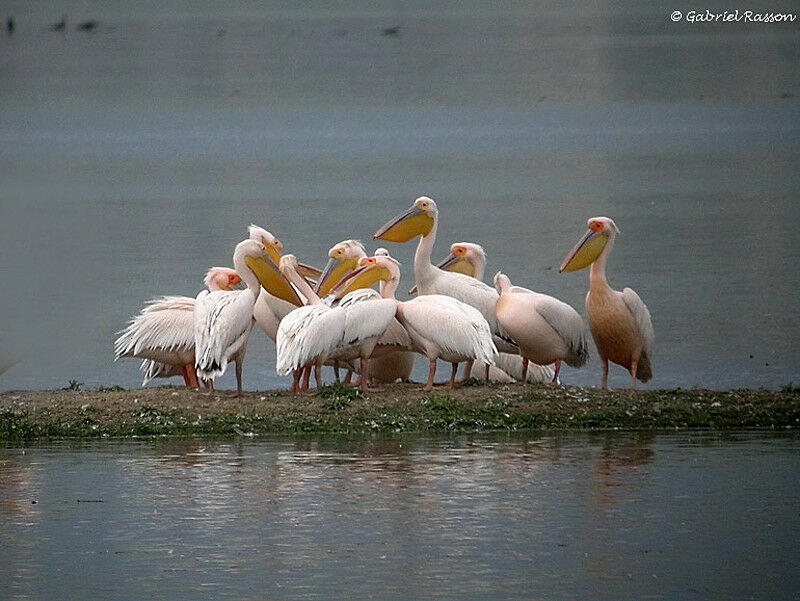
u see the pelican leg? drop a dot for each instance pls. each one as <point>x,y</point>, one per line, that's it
<point>557,363</point>
<point>348,378</point>
<point>192,375</point>
<point>365,378</point>
<point>336,371</point>
<point>467,370</point>
<point>431,373</point>
<point>186,377</point>
<point>238,377</point>
<point>524,378</point>
<point>604,384</point>
<point>634,367</point>
<point>452,382</point>
<point>304,380</point>
<point>555,374</point>
<point>295,379</point>
<point>318,373</point>
<point>486,377</point>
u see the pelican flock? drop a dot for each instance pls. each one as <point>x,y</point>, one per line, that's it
<point>334,317</point>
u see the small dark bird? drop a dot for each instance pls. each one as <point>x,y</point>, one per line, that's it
<point>60,26</point>
<point>89,25</point>
<point>10,25</point>
<point>390,31</point>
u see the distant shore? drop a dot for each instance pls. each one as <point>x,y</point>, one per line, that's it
<point>398,408</point>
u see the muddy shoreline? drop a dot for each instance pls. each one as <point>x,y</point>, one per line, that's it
<point>399,408</point>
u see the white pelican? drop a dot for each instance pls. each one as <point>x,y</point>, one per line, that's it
<point>394,365</point>
<point>440,327</point>
<point>162,335</point>
<point>465,257</point>
<point>470,259</point>
<point>422,220</point>
<point>310,334</point>
<point>619,321</point>
<point>386,363</point>
<point>223,319</point>
<point>546,329</point>
<point>277,297</point>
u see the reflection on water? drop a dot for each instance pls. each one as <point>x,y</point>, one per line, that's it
<point>608,515</point>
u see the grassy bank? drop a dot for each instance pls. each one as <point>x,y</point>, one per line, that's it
<point>399,408</point>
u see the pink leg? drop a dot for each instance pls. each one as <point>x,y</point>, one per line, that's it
<point>634,367</point>
<point>467,370</point>
<point>524,371</point>
<point>604,384</point>
<point>431,373</point>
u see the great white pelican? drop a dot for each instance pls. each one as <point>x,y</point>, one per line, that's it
<point>440,327</point>
<point>619,321</point>
<point>223,319</point>
<point>162,335</point>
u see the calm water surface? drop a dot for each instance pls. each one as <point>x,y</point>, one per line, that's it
<point>565,516</point>
<point>133,157</point>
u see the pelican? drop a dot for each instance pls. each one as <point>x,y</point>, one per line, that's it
<point>422,220</point>
<point>394,365</point>
<point>546,329</point>
<point>162,335</point>
<point>619,321</point>
<point>223,319</point>
<point>310,334</point>
<point>277,297</point>
<point>440,327</point>
<point>465,257</point>
<point>470,259</point>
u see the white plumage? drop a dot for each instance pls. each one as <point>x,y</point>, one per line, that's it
<point>641,316</point>
<point>317,332</point>
<point>438,326</point>
<point>223,319</point>
<point>163,333</point>
<point>546,329</point>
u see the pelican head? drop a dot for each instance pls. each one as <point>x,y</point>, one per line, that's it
<point>418,220</point>
<point>221,278</point>
<point>343,259</point>
<point>600,234</point>
<point>465,257</point>
<point>501,282</point>
<point>370,270</point>
<point>270,242</point>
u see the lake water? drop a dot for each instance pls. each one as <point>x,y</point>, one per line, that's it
<point>132,158</point>
<point>537,516</point>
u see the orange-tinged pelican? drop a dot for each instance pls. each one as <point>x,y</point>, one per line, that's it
<point>619,321</point>
<point>440,327</point>
<point>223,319</point>
<point>422,219</point>
<point>162,335</point>
<point>312,333</point>
<point>546,329</point>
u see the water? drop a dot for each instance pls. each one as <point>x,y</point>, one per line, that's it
<point>133,157</point>
<point>541,516</point>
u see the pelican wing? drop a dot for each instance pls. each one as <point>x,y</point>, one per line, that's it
<point>307,333</point>
<point>641,317</point>
<point>154,369</point>
<point>221,319</point>
<point>567,324</point>
<point>475,294</point>
<point>450,324</point>
<point>366,320</point>
<point>165,324</point>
